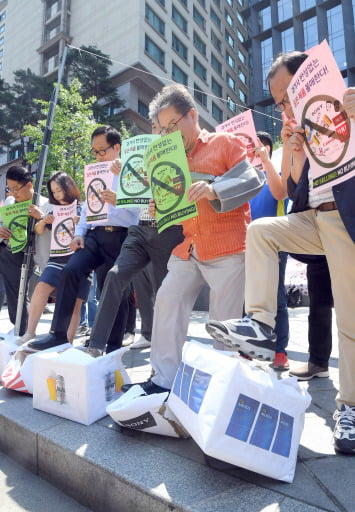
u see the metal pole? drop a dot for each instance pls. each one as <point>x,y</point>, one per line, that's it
<point>37,192</point>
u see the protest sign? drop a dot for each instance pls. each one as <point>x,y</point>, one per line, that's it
<point>318,108</point>
<point>98,178</point>
<point>63,229</point>
<point>169,177</point>
<point>133,183</point>
<point>15,218</point>
<point>243,127</point>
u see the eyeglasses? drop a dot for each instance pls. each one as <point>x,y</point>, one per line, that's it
<point>15,190</point>
<point>280,107</point>
<point>172,126</point>
<point>101,152</point>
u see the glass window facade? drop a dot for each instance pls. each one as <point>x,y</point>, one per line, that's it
<point>215,18</point>
<point>198,18</point>
<point>179,47</point>
<point>154,51</point>
<point>241,57</point>
<point>200,96</point>
<point>229,19</point>
<point>230,60</point>
<point>178,74</point>
<point>266,59</point>
<point>310,31</point>
<point>229,39</point>
<point>217,66</point>
<point>154,20</point>
<point>231,82</point>
<point>217,112</point>
<point>179,19</point>
<point>242,96</point>
<point>216,88</point>
<point>199,69</point>
<point>199,44</point>
<point>216,41</point>
<point>265,18</point>
<point>143,109</point>
<point>288,40</point>
<point>231,105</point>
<point>336,35</point>
<point>307,4</point>
<point>284,9</point>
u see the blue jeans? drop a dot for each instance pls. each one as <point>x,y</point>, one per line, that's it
<point>89,308</point>
<point>281,320</point>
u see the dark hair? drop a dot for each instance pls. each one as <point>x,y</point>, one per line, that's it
<point>67,184</point>
<point>291,60</point>
<point>265,139</point>
<point>112,135</point>
<point>173,95</point>
<point>19,173</point>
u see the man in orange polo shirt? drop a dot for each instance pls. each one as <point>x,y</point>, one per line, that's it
<point>214,241</point>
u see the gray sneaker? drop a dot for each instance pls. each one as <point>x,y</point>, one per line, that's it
<point>308,371</point>
<point>92,351</point>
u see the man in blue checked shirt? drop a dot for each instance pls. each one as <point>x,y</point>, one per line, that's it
<point>95,248</point>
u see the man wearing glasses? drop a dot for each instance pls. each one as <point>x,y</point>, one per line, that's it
<point>95,247</point>
<point>214,242</point>
<point>326,227</point>
<point>19,189</point>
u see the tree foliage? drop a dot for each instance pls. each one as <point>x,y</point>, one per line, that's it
<point>17,107</point>
<point>70,145</point>
<point>93,71</point>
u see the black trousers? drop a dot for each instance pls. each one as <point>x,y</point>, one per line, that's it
<point>99,253</point>
<point>10,268</point>
<point>142,245</point>
<point>320,313</point>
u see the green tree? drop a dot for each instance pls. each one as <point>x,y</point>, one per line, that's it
<point>17,106</point>
<point>94,74</point>
<point>70,145</point>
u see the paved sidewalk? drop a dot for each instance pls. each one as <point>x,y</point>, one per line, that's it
<point>110,469</point>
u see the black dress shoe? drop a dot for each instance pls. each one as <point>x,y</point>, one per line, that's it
<point>52,340</point>
<point>149,387</point>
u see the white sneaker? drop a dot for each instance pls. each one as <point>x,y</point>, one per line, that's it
<point>128,339</point>
<point>24,338</point>
<point>141,343</point>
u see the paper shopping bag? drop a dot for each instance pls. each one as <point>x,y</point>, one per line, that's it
<point>238,413</point>
<point>148,413</point>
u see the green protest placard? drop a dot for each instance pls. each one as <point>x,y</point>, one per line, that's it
<point>15,218</point>
<point>133,184</point>
<point>169,177</point>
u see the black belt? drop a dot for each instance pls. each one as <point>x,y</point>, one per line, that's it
<point>327,207</point>
<point>152,223</point>
<point>109,228</point>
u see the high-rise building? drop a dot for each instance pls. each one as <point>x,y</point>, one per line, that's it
<point>151,42</point>
<point>276,26</point>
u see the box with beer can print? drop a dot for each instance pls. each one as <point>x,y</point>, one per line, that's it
<point>76,386</point>
<point>238,411</point>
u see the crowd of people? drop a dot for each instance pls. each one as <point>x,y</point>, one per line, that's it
<point>242,262</point>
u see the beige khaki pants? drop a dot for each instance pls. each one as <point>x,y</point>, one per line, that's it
<point>309,232</point>
<point>176,298</point>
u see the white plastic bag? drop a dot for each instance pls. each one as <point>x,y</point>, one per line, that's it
<point>238,413</point>
<point>7,349</point>
<point>148,413</point>
<point>76,386</point>
<point>18,372</point>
